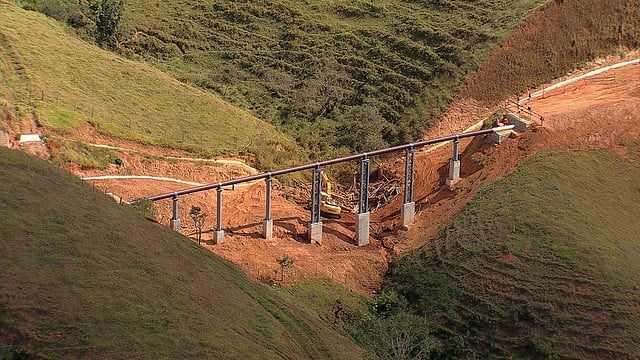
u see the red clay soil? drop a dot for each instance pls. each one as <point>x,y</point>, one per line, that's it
<point>590,115</point>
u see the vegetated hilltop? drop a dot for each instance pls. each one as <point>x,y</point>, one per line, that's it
<point>81,276</point>
<point>541,264</point>
<point>67,82</point>
<point>355,75</point>
<point>562,36</point>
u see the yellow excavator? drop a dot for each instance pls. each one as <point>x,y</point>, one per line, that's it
<point>328,208</point>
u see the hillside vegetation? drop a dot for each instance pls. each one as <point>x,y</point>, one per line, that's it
<point>82,277</point>
<point>563,36</point>
<point>339,76</point>
<point>357,75</point>
<point>541,264</point>
<point>66,82</point>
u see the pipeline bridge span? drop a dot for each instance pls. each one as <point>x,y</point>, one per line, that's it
<point>315,224</point>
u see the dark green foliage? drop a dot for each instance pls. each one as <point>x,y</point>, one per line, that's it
<point>60,10</point>
<point>97,18</point>
<point>403,336</point>
<point>316,69</point>
<point>107,22</point>
<point>81,15</point>
<point>364,129</point>
<point>389,331</point>
<point>426,291</point>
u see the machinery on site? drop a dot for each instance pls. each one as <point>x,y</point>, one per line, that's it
<point>328,208</point>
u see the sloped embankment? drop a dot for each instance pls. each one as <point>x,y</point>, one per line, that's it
<point>67,82</point>
<point>83,277</point>
<point>541,263</point>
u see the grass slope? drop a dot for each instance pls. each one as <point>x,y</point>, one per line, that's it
<point>541,264</point>
<point>320,69</point>
<point>81,276</point>
<point>562,37</point>
<point>69,82</point>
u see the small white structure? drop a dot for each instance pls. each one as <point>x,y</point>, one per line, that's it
<point>29,138</point>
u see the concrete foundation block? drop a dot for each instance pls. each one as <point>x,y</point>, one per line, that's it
<point>362,229</point>
<point>498,138</point>
<point>454,172</point>
<point>315,232</point>
<point>407,214</point>
<point>267,229</point>
<point>218,236</point>
<point>175,225</point>
<point>520,124</point>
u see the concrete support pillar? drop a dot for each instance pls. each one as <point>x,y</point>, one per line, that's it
<point>362,222</point>
<point>175,224</point>
<point>218,236</point>
<point>267,224</point>
<point>315,226</point>
<point>362,229</point>
<point>407,214</point>
<point>315,232</point>
<point>454,172</point>
<point>454,164</point>
<point>175,221</point>
<point>267,229</point>
<point>218,233</point>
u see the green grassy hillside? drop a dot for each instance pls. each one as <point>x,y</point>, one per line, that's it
<point>318,69</point>
<point>541,264</point>
<point>82,277</point>
<point>67,82</point>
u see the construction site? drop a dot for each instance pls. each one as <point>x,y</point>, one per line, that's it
<point>595,108</point>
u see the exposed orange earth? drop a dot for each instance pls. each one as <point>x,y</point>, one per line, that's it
<point>597,113</point>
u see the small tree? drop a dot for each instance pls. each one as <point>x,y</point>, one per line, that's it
<point>284,262</point>
<point>198,220</point>
<point>107,22</point>
<point>403,336</point>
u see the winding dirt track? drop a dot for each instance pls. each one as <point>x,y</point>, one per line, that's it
<point>592,113</point>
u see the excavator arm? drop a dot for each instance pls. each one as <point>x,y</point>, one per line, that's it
<point>328,208</point>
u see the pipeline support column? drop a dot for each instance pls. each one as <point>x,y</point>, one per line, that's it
<point>408,210</point>
<point>267,224</point>
<point>362,222</point>
<point>175,221</point>
<point>315,227</point>
<point>454,164</point>
<point>218,233</point>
